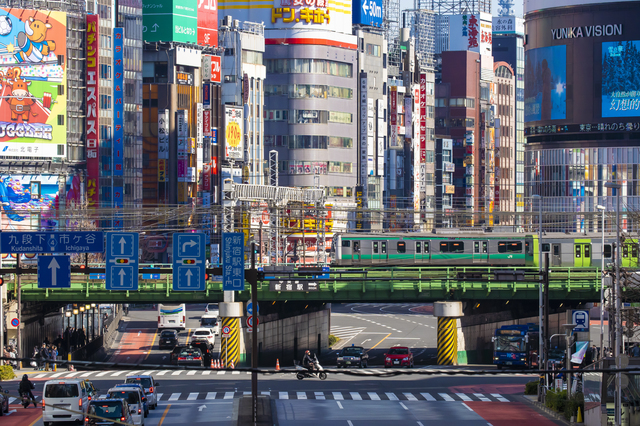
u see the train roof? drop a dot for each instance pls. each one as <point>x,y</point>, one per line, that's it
<point>476,235</point>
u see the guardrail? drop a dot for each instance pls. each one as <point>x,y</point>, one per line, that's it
<point>353,284</point>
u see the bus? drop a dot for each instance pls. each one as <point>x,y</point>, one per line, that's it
<point>516,345</point>
<point>172,316</point>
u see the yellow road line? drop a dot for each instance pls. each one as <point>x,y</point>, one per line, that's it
<point>187,344</point>
<point>36,420</point>
<point>152,342</point>
<point>383,339</point>
<point>164,415</point>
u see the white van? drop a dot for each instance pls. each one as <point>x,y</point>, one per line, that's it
<point>210,321</point>
<point>64,401</point>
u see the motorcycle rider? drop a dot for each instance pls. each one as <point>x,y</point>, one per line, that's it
<point>25,389</point>
<point>307,361</point>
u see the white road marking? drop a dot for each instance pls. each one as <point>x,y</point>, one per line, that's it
<point>355,396</point>
<point>211,395</point>
<point>468,408</point>
<point>176,373</point>
<point>428,396</point>
<point>117,373</point>
<point>191,373</point>
<point>337,395</point>
<point>39,376</point>
<point>446,397</point>
<point>420,424</point>
<point>404,406</point>
<point>162,373</point>
<point>158,396</point>
<point>192,396</point>
<point>174,396</point>
<point>392,396</point>
<point>58,374</point>
<point>206,372</point>
<point>283,395</point>
<point>349,423</point>
<point>228,395</point>
<point>339,405</point>
<point>410,396</point>
<point>319,395</point>
<point>373,396</point>
<point>301,395</point>
<point>222,372</point>
<point>481,397</point>
<point>235,372</point>
<point>499,397</point>
<point>463,397</point>
<point>87,374</point>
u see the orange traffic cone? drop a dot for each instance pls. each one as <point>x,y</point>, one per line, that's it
<point>212,365</point>
<point>71,367</point>
<point>277,364</point>
<point>231,366</point>
<point>217,363</point>
<point>221,364</point>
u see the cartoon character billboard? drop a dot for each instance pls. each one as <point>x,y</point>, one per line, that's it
<point>32,66</point>
<point>29,201</point>
<point>620,95</point>
<point>546,84</point>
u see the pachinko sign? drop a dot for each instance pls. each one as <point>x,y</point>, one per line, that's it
<point>32,110</point>
<point>93,62</point>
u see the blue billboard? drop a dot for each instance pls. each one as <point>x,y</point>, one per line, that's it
<point>545,86</point>
<point>620,87</point>
<point>367,12</point>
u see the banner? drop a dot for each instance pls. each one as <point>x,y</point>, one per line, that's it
<point>234,140</point>
<point>163,134</point>
<point>118,102</point>
<point>581,349</point>
<point>93,94</point>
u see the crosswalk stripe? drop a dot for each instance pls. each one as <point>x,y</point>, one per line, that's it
<point>53,376</point>
<point>265,393</point>
<point>301,395</point>
<point>392,396</point>
<point>355,396</point>
<point>72,374</point>
<point>481,397</point>
<point>235,372</point>
<point>206,372</point>
<point>228,395</point>
<point>176,373</point>
<point>39,376</point>
<point>283,395</point>
<point>159,396</point>
<point>463,397</point>
<point>192,396</point>
<point>12,400</point>
<point>117,373</point>
<point>87,374</point>
<point>211,395</point>
<point>499,397</point>
<point>319,395</point>
<point>191,373</point>
<point>147,373</point>
<point>162,373</point>
<point>104,373</point>
<point>174,396</point>
<point>337,396</point>
<point>221,372</point>
<point>410,396</point>
<point>446,397</point>
<point>427,396</point>
<point>373,396</point>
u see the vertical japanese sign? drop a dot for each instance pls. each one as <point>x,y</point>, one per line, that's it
<point>206,177</point>
<point>182,130</point>
<point>93,162</point>
<point>206,122</point>
<point>233,143</point>
<point>118,101</point>
<point>393,118</point>
<point>415,142</point>
<point>364,150</point>
<point>216,63</point>
<point>206,95</point>
<point>423,118</point>
<point>199,137</point>
<point>208,22</point>
<point>163,144</point>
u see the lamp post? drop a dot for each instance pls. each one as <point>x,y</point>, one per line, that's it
<point>75,318</point>
<point>602,209</point>
<point>93,321</point>
<point>616,352</point>
<point>541,361</point>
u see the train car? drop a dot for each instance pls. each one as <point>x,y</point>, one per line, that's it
<point>487,249</point>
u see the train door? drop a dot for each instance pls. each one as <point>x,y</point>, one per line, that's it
<point>629,255</point>
<point>480,251</point>
<point>582,254</point>
<point>556,255</point>
<point>377,253</point>
<point>422,252</point>
<point>357,250</point>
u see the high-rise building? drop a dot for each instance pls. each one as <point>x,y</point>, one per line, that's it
<point>422,26</point>
<point>503,99</point>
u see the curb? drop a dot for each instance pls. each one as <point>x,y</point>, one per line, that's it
<point>533,400</point>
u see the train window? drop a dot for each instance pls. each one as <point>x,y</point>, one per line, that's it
<point>418,247</point>
<point>356,246</point>
<point>375,247</point>
<point>346,243</point>
<point>502,247</point>
<point>401,246</point>
<point>556,249</point>
<point>476,246</point>
<point>578,251</point>
<point>625,251</point>
<point>509,247</point>
<point>444,247</point>
<point>456,247</point>
<point>426,246</point>
<point>607,251</point>
<point>634,251</point>
<point>383,246</point>
<point>484,246</point>
<point>546,247</point>
<point>587,251</point>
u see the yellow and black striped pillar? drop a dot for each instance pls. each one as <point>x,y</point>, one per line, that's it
<point>230,346</point>
<point>447,341</point>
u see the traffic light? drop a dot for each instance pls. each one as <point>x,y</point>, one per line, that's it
<point>1,280</point>
<point>206,277</point>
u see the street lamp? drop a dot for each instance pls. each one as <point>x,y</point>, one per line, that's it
<point>75,318</point>
<point>541,360</point>
<point>618,400</point>
<point>602,209</point>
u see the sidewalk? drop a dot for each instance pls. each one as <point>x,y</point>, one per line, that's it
<point>533,400</point>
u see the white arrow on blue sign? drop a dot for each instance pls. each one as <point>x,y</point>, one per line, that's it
<point>250,308</point>
<point>188,262</point>
<point>122,261</point>
<point>54,272</point>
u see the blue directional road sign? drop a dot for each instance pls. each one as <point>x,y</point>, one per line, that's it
<point>233,261</point>
<point>122,261</point>
<point>54,272</point>
<point>250,309</point>
<point>188,262</point>
<point>52,242</point>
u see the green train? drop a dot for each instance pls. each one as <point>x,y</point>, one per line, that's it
<point>486,249</point>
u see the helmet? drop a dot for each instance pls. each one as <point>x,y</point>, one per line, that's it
<point>307,351</point>
<point>25,377</point>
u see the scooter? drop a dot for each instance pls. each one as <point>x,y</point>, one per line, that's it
<point>25,400</point>
<point>318,371</point>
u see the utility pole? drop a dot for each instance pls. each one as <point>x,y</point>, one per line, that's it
<point>546,319</point>
<point>253,281</point>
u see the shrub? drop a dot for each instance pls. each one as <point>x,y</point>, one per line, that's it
<point>571,408</point>
<point>556,400</point>
<point>333,340</point>
<point>6,373</point>
<point>531,388</point>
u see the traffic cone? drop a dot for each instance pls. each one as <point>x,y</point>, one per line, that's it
<point>221,364</point>
<point>71,367</point>
<point>217,364</point>
<point>212,364</point>
<point>55,367</point>
<point>277,364</point>
<point>231,366</point>
<point>579,418</point>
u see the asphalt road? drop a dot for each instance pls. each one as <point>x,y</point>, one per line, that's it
<point>208,396</point>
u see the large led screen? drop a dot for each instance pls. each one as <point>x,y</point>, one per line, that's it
<point>546,84</point>
<point>621,79</point>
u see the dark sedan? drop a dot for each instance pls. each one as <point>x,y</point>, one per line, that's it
<point>205,350</point>
<point>353,356</point>
<point>168,339</point>
<point>173,358</point>
<point>190,356</point>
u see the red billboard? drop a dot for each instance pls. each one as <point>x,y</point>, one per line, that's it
<point>93,94</point>
<point>208,22</point>
<point>216,63</point>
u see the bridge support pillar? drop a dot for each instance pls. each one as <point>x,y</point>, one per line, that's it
<point>230,314</point>
<point>447,314</point>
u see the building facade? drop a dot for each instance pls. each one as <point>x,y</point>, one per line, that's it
<point>503,98</point>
